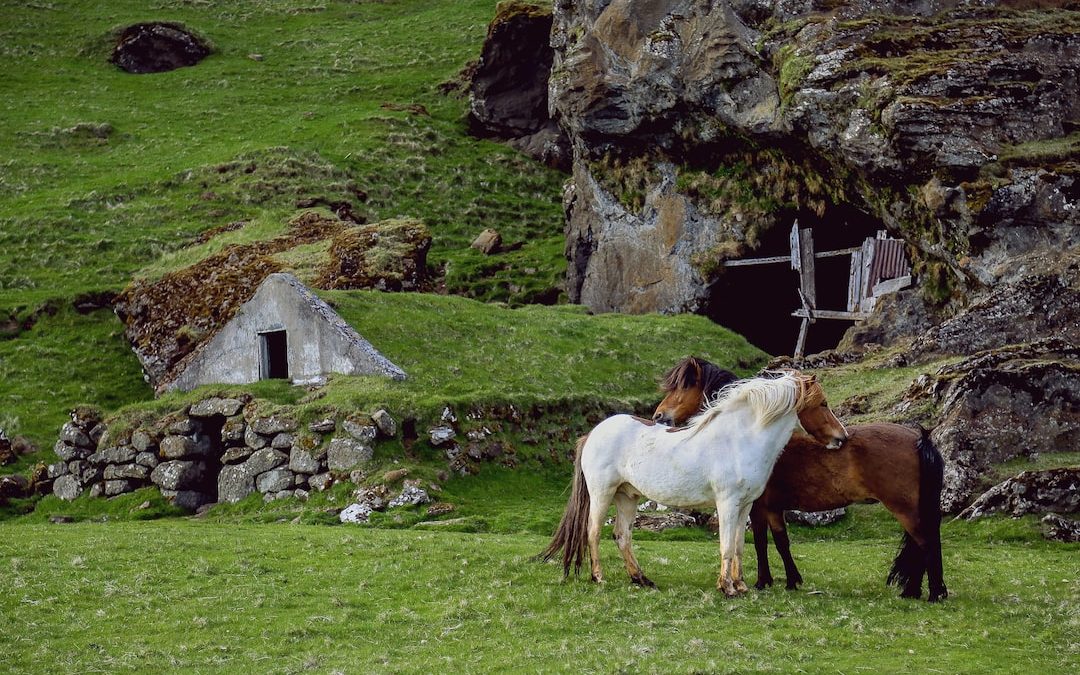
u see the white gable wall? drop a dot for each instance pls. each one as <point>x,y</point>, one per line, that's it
<point>319,341</point>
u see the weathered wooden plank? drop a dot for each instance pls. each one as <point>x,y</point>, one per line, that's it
<point>854,281</point>
<point>806,273</point>
<point>866,300</point>
<point>842,251</point>
<point>800,342</point>
<point>793,245</point>
<point>830,314</point>
<point>891,285</point>
<point>757,261</point>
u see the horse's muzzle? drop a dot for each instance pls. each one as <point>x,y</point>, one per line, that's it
<point>836,442</point>
<point>662,418</point>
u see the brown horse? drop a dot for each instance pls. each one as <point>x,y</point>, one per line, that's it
<point>887,463</point>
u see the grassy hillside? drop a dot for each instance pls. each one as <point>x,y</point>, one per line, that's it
<point>106,172</point>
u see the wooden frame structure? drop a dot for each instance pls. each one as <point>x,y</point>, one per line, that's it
<point>878,267</point>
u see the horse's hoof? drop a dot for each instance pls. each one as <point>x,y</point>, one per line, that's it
<point>793,585</point>
<point>911,595</point>
<point>761,584</point>
<point>741,587</point>
<point>642,580</point>
<point>936,596</point>
<point>597,579</point>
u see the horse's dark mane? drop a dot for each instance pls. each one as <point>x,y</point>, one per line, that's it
<point>685,375</point>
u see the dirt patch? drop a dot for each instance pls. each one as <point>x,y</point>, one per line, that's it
<point>390,255</point>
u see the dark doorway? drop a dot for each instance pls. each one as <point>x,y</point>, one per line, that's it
<point>274,355</point>
<point>756,301</point>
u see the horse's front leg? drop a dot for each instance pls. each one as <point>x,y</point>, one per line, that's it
<point>740,542</point>
<point>598,506</point>
<point>727,515</point>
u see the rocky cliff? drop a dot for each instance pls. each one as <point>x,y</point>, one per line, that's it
<point>701,129</point>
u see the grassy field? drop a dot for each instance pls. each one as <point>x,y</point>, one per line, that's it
<point>183,595</point>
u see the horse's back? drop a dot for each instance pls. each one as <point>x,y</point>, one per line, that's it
<point>879,461</point>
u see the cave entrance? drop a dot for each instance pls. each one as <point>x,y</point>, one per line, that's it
<point>820,268</point>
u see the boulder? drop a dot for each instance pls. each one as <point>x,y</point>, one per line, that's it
<point>411,495</point>
<point>178,474</point>
<point>345,453</point>
<point>148,459</point>
<point>67,487</point>
<point>54,471</point>
<point>815,518</point>
<point>1061,529</point>
<point>254,440</point>
<point>321,481</point>
<point>157,47</point>
<point>365,433</point>
<point>442,434</point>
<point>236,481</point>
<point>121,454</point>
<point>1049,491</point>
<point>119,487</point>
<point>232,432</point>
<point>323,426</point>
<point>302,461</point>
<point>135,472</point>
<point>488,242</point>
<point>236,455</point>
<point>273,425</point>
<point>508,92</point>
<point>355,514</point>
<point>210,407</point>
<point>65,451</point>
<point>176,447</point>
<point>180,425</point>
<point>73,435</point>
<point>283,441</point>
<point>275,480</point>
<point>385,423</point>
<point>144,441</point>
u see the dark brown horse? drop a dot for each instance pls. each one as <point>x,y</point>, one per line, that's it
<point>888,463</point>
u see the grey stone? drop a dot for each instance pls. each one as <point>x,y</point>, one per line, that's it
<point>323,426</point>
<point>143,441</point>
<point>321,481</point>
<point>96,490</point>
<point>232,432</point>
<point>236,455</point>
<point>283,441</point>
<point>54,471</point>
<point>65,451</point>
<point>122,454</point>
<point>148,459</point>
<point>345,453</point>
<point>234,483</point>
<point>814,518</point>
<point>182,426</point>
<point>97,432</point>
<point>385,423</point>
<point>275,424</point>
<point>355,514</point>
<point>178,474</point>
<point>67,487</point>
<point>301,461</point>
<point>1061,529</point>
<point>119,487</point>
<point>365,433</point>
<point>409,496</point>
<point>441,434</point>
<point>126,472</point>
<point>209,407</point>
<point>1040,492</point>
<point>72,434</point>
<point>274,480</point>
<point>254,440</point>
<point>301,494</point>
<point>176,447</point>
<point>264,460</point>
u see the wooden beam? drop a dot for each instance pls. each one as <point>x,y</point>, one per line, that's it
<point>800,342</point>
<point>891,285</point>
<point>830,314</point>
<point>757,261</point>
<point>842,251</point>
<point>806,271</point>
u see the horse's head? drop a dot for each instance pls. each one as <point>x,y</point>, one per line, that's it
<point>814,413</point>
<point>685,393</point>
<point>687,387</point>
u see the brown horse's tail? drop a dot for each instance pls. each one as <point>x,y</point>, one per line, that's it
<point>912,560</point>
<point>572,535</point>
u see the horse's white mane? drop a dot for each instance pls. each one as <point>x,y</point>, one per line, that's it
<point>769,397</point>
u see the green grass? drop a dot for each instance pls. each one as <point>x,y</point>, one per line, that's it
<point>190,596</point>
<point>109,175</point>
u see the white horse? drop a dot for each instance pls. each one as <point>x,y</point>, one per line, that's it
<point>721,459</point>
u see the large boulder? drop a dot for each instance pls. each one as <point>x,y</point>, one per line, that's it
<point>178,474</point>
<point>1050,491</point>
<point>508,94</point>
<point>1021,401</point>
<point>158,47</point>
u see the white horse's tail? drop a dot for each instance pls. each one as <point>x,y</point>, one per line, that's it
<point>572,535</point>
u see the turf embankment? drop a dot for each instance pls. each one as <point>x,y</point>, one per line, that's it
<point>191,596</point>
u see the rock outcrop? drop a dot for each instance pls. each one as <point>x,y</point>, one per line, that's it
<point>508,91</point>
<point>1051,491</point>
<point>158,47</point>
<point>698,127</point>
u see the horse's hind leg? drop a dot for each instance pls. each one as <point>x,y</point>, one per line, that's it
<point>727,515</point>
<point>760,527</point>
<point>598,507</point>
<point>783,547</point>
<point>934,574</point>
<point>625,510</point>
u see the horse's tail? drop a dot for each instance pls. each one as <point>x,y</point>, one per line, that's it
<point>911,559</point>
<point>572,535</point>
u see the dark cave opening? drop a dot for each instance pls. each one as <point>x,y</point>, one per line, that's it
<point>756,301</point>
